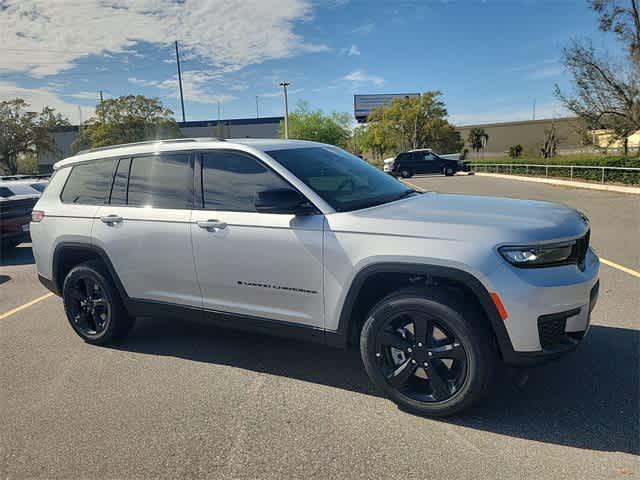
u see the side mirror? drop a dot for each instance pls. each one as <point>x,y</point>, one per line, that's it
<point>281,200</point>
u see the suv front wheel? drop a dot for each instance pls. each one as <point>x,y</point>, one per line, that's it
<point>93,305</point>
<point>431,357</point>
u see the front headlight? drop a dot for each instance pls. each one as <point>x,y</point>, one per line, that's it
<point>539,255</point>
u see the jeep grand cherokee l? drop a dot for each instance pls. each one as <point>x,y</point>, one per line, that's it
<point>305,240</point>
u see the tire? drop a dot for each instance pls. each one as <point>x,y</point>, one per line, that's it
<point>449,172</point>
<point>103,320</point>
<point>459,370</point>
<point>406,173</point>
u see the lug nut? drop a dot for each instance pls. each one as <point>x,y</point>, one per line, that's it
<point>409,350</point>
<point>419,344</point>
<point>426,364</point>
<point>430,354</point>
<point>413,361</point>
<point>378,354</point>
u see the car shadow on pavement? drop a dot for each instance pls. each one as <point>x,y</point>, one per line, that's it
<point>588,400</point>
<point>21,255</point>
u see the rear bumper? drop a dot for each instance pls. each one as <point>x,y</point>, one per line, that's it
<point>6,237</point>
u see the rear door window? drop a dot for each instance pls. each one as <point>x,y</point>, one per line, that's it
<point>88,183</point>
<point>161,181</point>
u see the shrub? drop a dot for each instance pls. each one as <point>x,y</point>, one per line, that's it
<point>515,151</point>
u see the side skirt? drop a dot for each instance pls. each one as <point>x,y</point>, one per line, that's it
<point>149,308</point>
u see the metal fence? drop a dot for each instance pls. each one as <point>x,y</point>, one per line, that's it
<point>509,167</point>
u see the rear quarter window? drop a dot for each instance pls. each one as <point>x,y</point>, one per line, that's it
<point>5,192</point>
<point>88,183</point>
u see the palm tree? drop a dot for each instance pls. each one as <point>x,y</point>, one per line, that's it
<point>478,139</point>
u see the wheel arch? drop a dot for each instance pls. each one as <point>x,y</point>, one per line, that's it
<point>348,320</point>
<point>68,254</point>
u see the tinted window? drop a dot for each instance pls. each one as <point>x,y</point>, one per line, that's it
<point>161,181</point>
<point>39,186</point>
<point>344,181</point>
<point>88,183</point>
<point>5,192</point>
<point>231,180</point>
<point>119,190</point>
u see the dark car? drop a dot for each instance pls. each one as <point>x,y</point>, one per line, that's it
<point>413,162</point>
<point>17,198</point>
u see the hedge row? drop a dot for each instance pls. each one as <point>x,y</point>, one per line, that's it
<point>589,174</point>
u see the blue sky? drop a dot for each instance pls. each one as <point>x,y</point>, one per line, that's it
<point>490,58</point>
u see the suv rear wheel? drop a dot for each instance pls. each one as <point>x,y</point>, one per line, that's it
<point>426,354</point>
<point>448,171</point>
<point>93,305</point>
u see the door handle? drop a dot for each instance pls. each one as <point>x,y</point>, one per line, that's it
<point>111,219</point>
<point>212,225</point>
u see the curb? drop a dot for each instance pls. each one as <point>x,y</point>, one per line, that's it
<point>567,183</point>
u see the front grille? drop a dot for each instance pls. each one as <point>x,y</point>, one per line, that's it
<point>551,329</point>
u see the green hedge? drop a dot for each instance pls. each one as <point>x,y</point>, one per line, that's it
<point>617,176</point>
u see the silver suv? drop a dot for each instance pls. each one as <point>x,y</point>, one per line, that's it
<point>303,239</point>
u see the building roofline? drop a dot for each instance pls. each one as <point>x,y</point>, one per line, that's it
<point>517,122</point>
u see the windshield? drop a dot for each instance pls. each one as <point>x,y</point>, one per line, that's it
<point>342,180</point>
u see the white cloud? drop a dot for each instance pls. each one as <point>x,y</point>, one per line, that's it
<point>359,77</point>
<point>44,37</point>
<point>86,95</point>
<point>539,70</point>
<point>194,86</point>
<point>351,51</point>
<point>41,97</point>
<point>365,28</point>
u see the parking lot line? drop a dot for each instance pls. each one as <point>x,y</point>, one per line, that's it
<point>620,267</point>
<point>26,305</point>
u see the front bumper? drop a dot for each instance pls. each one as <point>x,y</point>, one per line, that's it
<point>549,309</point>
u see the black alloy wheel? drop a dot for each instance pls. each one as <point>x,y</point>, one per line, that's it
<point>93,305</point>
<point>88,306</point>
<point>420,357</point>
<point>406,173</point>
<point>430,352</point>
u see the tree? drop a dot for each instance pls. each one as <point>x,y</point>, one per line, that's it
<point>606,92</point>
<point>127,119</point>
<point>515,151</point>
<point>411,123</point>
<point>306,124</point>
<point>478,139</point>
<point>25,133</point>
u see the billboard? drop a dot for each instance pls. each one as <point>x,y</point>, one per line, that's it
<point>364,104</point>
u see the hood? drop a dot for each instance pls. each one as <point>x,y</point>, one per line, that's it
<point>463,217</point>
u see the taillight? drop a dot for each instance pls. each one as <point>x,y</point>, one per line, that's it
<point>37,215</point>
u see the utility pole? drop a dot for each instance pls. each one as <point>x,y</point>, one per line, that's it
<point>101,108</point>
<point>257,110</point>
<point>534,108</point>
<point>180,82</point>
<point>284,85</point>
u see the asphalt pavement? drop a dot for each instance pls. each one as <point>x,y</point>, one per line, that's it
<point>183,400</point>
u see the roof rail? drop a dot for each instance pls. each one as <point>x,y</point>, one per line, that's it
<point>151,142</point>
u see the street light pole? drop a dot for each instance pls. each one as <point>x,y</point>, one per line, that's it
<point>284,85</point>
<point>180,81</point>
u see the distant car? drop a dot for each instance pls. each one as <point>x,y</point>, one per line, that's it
<point>17,198</point>
<point>407,164</point>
